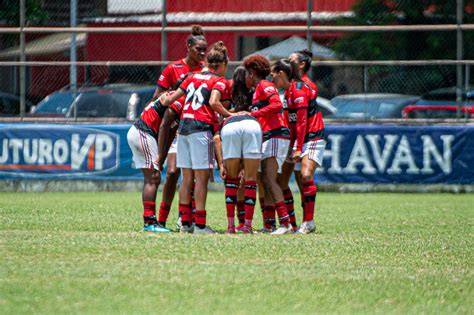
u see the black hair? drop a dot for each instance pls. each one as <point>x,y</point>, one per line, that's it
<point>196,34</point>
<point>289,67</point>
<point>305,56</point>
<point>241,95</point>
<point>217,55</point>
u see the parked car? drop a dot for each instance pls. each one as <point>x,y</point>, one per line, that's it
<point>436,111</point>
<point>10,104</point>
<point>441,103</point>
<point>112,100</point>
<point>325,107</point>
<point>371,105</point>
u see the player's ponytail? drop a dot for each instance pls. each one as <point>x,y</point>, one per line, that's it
<point>240,92</point>
<point>217,55</point>
<point>288,67</point>
<point>305,56</point>
<point>196,34</point>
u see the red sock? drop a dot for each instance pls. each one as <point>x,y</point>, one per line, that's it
<point>290,206</point>
<point>269,217</point>
<point>250,200</point>
<point>149,211</point>
<point>200,218</point>
<point>241,210</point>
<point>164,212</point>
<point>309,195</point>
<point>231,186</point>
<point>185,213</point>
<point>283,216</point>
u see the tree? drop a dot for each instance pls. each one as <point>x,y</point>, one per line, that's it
<point>414,45</point>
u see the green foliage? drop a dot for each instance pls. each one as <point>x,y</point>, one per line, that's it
<point>372,254</point>
<point>404,45</point>
<point>34,12</point>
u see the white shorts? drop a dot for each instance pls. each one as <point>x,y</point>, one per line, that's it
<point>315,151</point>
<point>276,147</point>
<point>173,145</point>
<point>196,151</point>
<point>242,139</point>
<point>144,148</point>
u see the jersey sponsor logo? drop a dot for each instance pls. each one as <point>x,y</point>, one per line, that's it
<point>57,151</point>
<point>188,115</point>
<point>299,100</point>
<point>161,78</point>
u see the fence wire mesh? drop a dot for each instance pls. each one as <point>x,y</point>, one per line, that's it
<point>141,53</point>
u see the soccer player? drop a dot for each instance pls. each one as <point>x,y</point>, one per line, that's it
<point>142,139</point>
<point>297,96</point>
<point>196,46</point>
<point>203,91</point>
<point>239,144</point>
<point>313,147</point>
<point>268,109</point>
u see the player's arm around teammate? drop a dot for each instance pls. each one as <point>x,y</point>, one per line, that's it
<point>268,109</point>
<point>285,75</point>
<point>195,140</point>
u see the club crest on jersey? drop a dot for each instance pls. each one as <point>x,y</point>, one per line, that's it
<point>55,150</point>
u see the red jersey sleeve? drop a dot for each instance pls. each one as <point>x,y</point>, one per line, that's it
<point>177,106</point>
<point>269,93</point>
<point>184,85</point>
<point>165,80</point>
<point>300,101</point>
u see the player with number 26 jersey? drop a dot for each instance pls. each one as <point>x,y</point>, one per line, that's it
<point>197,115</point>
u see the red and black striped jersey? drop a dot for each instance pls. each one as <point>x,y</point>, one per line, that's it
<point>298,97</point>
<point>315,124</point>
<point>174,72</point>
<point>268,109</point>
<point>197,114</point>
<point>151,117</point>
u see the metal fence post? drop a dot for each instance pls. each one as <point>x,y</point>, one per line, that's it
<point>22,59</point>
<point>366,78</point>
<point>73,56</point>
<point>164,37</point>
<point>309,22</point>
<point>459,55</point>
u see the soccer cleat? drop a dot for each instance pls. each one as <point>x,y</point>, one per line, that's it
<point>179,224</point>
<point>247,229</point>
<point>204,230</point>
<point>155,228</point>
<point>282,230</point>
<point>265,230</point>
<point>186,229</point>
<point>306,227</point>
<point>230,230</point>
<point>239,227</point>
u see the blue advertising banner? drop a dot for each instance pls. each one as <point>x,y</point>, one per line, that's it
<point>354,154</point>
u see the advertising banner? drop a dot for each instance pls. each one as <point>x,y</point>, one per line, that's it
<point>362,153</point>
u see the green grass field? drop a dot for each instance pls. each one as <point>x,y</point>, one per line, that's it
<point>373,253</point>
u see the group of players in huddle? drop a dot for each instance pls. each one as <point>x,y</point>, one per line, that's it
<point>258,131</point>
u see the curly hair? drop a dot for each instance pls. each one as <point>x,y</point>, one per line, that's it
<point>217,55</point>
<point>258,63</point>
<point>196,34</point>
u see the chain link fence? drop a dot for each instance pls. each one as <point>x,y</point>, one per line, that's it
<point>436,52</point>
